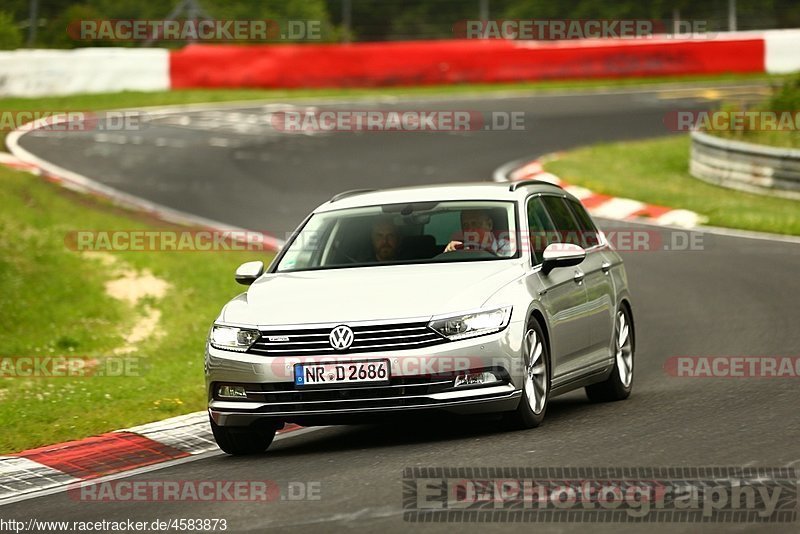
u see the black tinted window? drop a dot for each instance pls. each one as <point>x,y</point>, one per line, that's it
<point>541,231</point>
<point>567,229</point>
<point>589,231</point>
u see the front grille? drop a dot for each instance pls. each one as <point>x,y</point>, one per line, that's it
<point>366,338</point>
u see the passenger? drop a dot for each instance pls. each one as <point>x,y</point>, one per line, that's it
<point>385,240</point>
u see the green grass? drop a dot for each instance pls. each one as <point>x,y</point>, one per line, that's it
<point>657,172</point>
<point>54,304</point>
<point>780,139</point>
<point>785,99</point>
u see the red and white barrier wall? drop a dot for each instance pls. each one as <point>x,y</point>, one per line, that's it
<point>93,70</point>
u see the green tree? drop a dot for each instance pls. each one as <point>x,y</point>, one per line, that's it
<point>10,36</point>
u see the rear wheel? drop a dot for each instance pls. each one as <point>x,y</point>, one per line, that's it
<point>536,382</point>
<point>243,440</point>
<point>618,385</point>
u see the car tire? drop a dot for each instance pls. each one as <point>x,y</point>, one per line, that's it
<point>239,441</point>
<point>536,381</point>
<point>619,384</point>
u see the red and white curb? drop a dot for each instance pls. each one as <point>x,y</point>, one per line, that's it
<point>67,464</point>
<point>603,206</point>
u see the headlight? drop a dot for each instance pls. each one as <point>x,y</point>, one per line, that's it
<point>473,324</point>
<point>232,338</point>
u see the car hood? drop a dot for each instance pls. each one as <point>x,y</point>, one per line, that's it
<point>370,293</point>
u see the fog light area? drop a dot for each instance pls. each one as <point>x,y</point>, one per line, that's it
<point>476,379</point>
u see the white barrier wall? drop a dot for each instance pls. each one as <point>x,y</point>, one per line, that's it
<point>781,51</point>
<point>84,70</point>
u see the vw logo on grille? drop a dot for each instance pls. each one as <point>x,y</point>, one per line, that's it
<point>341,337</point>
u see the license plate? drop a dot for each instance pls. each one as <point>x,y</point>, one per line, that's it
<point>326,374</point>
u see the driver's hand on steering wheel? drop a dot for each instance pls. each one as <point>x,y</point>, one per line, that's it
<point>453,246</point>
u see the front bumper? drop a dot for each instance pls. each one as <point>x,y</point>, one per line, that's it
<point>421,380</point>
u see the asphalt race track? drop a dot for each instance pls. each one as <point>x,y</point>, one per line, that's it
<point>735,297</point>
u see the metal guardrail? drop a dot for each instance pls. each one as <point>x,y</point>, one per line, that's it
<point>745,166</point>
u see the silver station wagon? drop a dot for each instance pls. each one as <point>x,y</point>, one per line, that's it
<point>465,298</point>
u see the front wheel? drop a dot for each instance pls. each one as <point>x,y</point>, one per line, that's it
<point>243,440</point>
<point>618,385</point>
<point>536,382</point>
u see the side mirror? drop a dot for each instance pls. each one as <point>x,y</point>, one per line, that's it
<point>247,273</point>
<point>561,255</point>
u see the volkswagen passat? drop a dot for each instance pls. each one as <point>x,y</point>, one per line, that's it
<point>468,298</point>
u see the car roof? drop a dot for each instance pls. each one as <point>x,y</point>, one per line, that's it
<point>439,192</point>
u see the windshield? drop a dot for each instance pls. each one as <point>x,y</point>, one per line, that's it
<point>421,232</point>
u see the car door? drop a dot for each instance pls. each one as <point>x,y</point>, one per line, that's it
<point>599,286</point>
<point>563,297</point>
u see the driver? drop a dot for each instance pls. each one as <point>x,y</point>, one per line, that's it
<point>477,226</point>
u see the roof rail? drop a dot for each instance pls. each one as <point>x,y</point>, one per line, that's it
<point>349,193</point>
<point>516,185</point>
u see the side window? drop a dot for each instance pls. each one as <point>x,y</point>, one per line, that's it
<point>566,227</point>
<point>589,231</point>
<point>540,229</point>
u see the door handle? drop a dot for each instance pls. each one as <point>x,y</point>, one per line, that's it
<point>606,266</point>
<point>578,276</point>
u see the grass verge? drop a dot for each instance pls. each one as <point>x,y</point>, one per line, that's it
<point>784,104</point>
<point>55,303</point>
<point>657,171</point>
